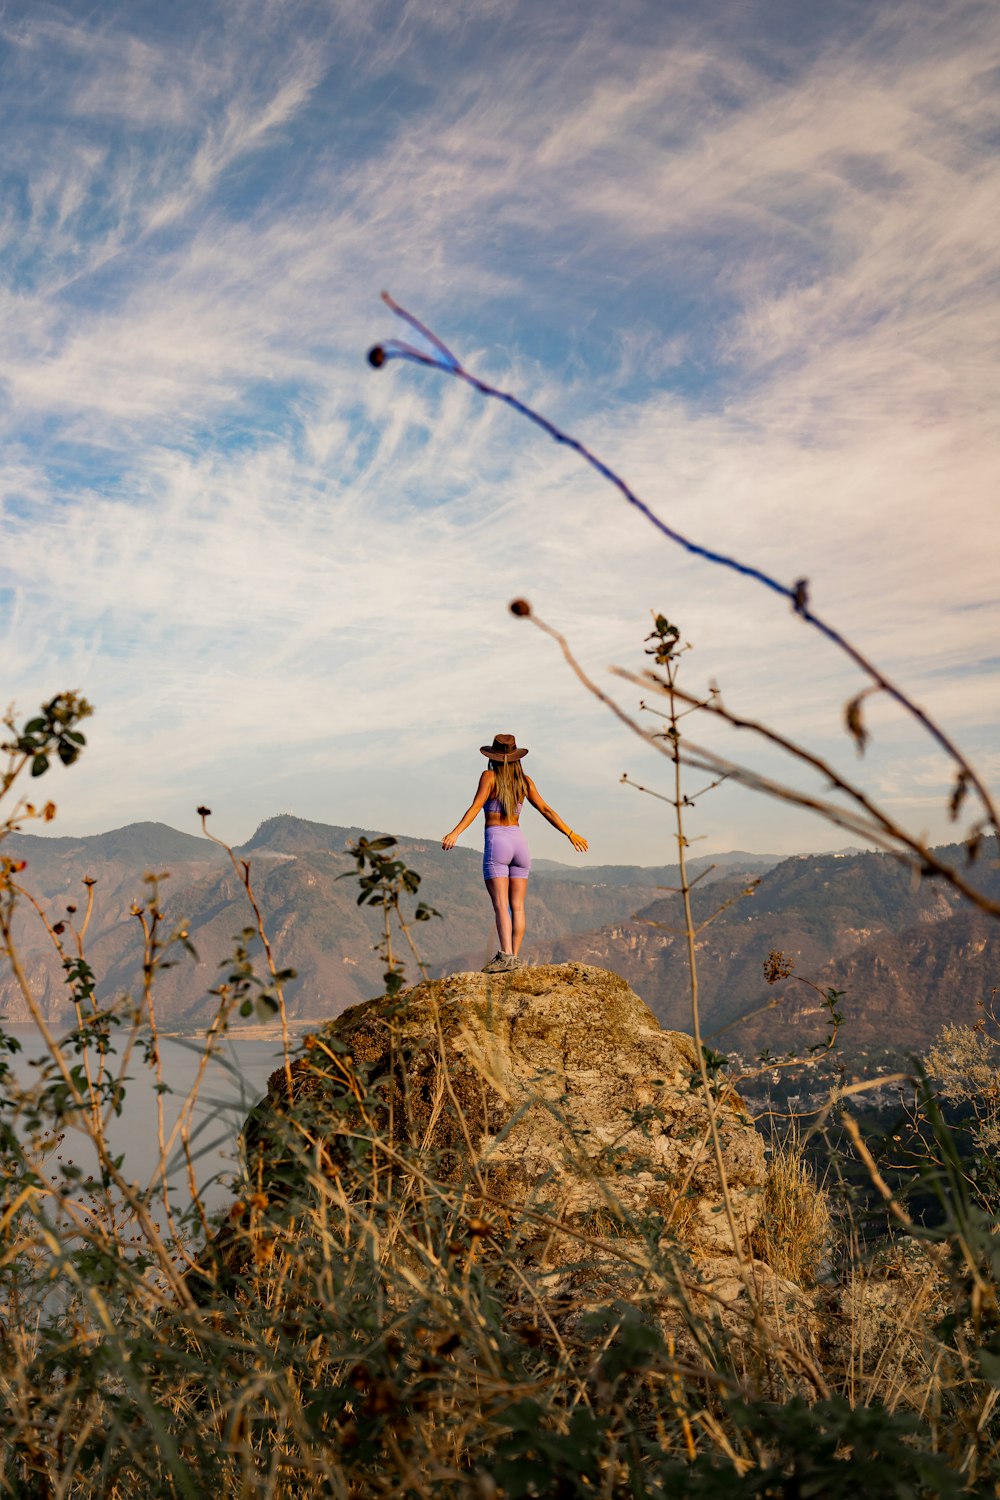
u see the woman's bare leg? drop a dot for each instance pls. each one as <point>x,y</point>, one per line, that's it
<point>518,891</point>
<point>497,885</point>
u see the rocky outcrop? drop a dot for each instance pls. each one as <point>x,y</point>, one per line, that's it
<point>543,1127</point>
<point>576,1124</point>
<point>561,1087</point>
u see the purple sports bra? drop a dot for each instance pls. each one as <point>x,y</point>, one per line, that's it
<point>494,805</point>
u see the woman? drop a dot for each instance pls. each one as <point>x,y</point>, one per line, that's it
<point>503,790</point>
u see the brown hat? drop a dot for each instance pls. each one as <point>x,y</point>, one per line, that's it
<point>504,748</point>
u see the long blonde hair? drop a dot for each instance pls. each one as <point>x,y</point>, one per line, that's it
<point>510,785</point>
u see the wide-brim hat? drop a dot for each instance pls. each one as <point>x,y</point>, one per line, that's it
<point>504,748</point>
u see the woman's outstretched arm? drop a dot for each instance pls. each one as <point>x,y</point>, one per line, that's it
<point>485,787</point>
<point>549,813</point>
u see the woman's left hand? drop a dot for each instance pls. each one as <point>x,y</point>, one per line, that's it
<point>579,844</point>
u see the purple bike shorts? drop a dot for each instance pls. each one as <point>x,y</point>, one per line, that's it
<point>506,853</point>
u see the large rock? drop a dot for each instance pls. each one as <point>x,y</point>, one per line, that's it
<point>547,1112</point>
<point>558,1086</point>
<point>549,1109</point>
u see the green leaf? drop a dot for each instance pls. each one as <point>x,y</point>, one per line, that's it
<point>34,725</point>
<point>39,765</point>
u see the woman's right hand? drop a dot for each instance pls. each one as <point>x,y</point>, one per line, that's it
<point>449,841</point>
<point>579,844</point>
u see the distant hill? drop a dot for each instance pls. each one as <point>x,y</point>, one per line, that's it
<point>286,834</point>
<point>910,955</point>
<point>305,882</point>
<point>150,845</point>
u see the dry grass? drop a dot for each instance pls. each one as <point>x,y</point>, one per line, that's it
<point>794,1232</point>
<point>378,1331</point>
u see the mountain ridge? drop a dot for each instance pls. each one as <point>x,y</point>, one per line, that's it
<point>909,954</point>
<point>159,838</point>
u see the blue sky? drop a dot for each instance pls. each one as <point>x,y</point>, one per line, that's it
<point>749,252</point>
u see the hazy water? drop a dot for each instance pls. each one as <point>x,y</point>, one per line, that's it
<point>235,1078</point>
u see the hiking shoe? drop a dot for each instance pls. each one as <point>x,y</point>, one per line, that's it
<point>500,963</point>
